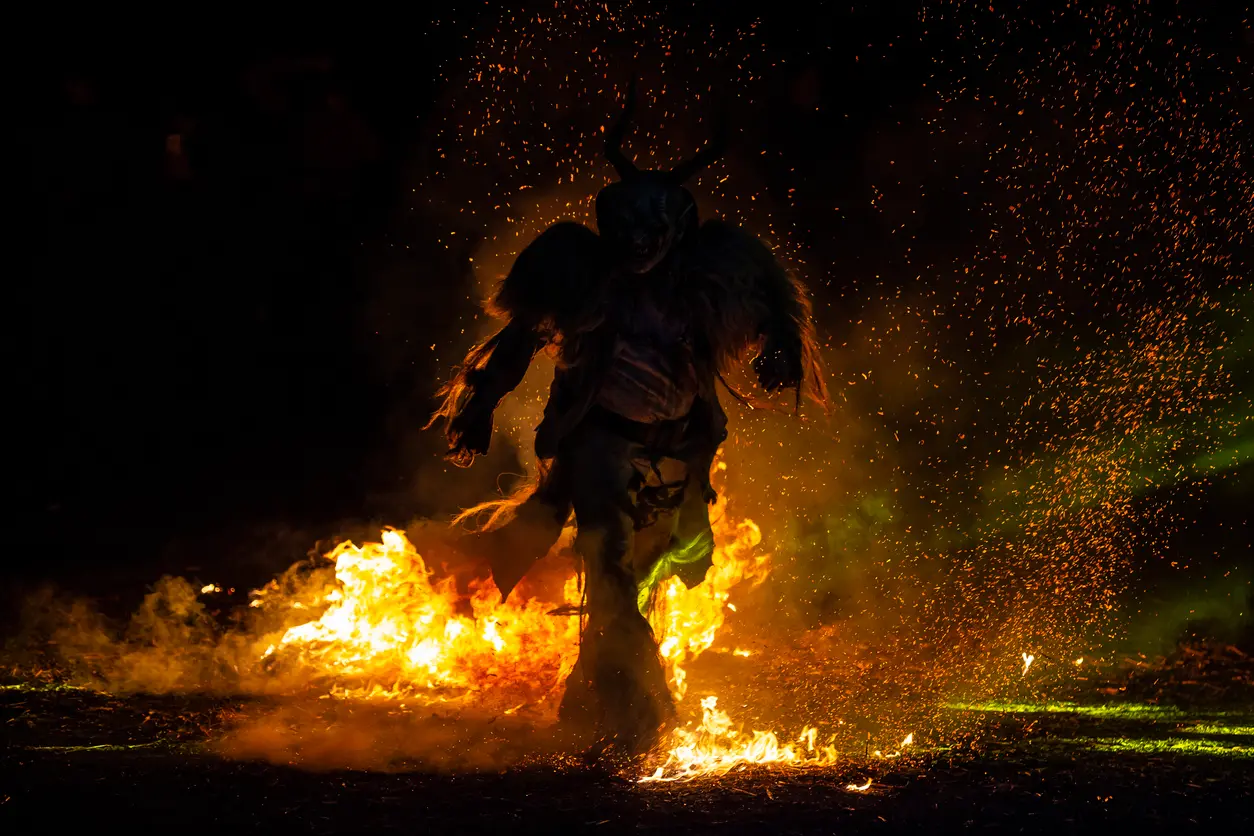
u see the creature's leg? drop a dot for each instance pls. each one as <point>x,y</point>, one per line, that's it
<point>618,663</point>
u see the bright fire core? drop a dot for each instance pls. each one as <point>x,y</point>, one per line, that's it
<point>390,628</point>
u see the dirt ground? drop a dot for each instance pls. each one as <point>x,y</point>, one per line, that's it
<point>77,759</point>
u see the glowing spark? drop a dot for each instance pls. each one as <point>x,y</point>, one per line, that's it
<point>857,788</point>
<point>1028,658</point>
<point>210,587</point>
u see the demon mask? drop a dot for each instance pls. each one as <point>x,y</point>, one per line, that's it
<point>647,212</point>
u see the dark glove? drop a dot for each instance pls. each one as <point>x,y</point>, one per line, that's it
<point>708,495</point>
<point>547,439</point>
<point>469,434</point>
<point>779,364</point>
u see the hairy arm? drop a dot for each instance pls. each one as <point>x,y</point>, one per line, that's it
<point>547,290</point>
<point>789,357</point>
<point>770,307</point>
<point>492,370</point>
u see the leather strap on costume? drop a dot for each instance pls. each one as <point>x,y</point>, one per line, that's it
<point>663,437</point>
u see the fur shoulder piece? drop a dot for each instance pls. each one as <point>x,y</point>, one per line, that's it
<point>741,293</point>
<point>557,280</point>
<point>737,257</point>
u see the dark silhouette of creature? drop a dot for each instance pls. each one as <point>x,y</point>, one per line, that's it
<point>644,318</point>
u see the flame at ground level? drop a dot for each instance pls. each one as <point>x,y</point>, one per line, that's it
<point>387,627</point>
<point>716,748</point>
<point>389,630</point>
<point>373,621</point>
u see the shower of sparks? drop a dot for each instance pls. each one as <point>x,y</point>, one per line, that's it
<point>1002,406</point>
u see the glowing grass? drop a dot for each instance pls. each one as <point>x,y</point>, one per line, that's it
<point>1170,746</point>
<point>102,747</point>
<point>41,686</point>
<point>1197,739</point>
<point>1108,710</point>
<point>1216,728</point>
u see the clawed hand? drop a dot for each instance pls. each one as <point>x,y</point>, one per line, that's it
<point>469,436</point>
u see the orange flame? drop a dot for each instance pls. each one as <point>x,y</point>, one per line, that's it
<point>686,621</point>
<point>390,629</point>
<point>716,748</point>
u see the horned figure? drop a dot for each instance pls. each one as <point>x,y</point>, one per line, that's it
<point>645,316</point>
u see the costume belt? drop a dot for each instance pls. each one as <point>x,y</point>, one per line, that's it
<point>665,437</point>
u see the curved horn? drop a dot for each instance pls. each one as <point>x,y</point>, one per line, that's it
<point>707,155</point>
<point>614,137</point>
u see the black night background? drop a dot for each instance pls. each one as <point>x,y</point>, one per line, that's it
<point>1027,232</point>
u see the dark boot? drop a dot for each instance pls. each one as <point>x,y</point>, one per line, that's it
<point>618,654</point>
<point>579,715</point>
<point>630,684</point>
